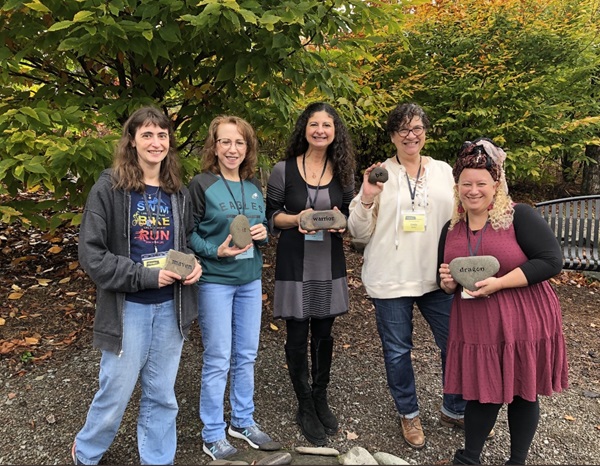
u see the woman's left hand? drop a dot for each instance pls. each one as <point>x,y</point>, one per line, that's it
<point>486,287</point>
<point>194,276</point>
<point>341,230</point>
<point>258,232</point>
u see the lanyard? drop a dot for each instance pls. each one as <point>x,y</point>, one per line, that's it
<point>413,192</point>
<point>313,202</point>
<point>243,211</point>
<point>149,222</point>
<point>473,252</point>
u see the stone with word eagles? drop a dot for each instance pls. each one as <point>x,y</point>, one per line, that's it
<point>179,262</point>
<point>469,270</point>
<point>378,174</point>
<point>240,231</point>
<point>313,220</point>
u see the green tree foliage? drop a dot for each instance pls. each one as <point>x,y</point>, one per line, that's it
<point>518,71</point>
<point>72,70</point>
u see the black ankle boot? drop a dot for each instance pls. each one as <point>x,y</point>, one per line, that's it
<point>307,419</point>
<point>460,458</point>
<point>321,352</point>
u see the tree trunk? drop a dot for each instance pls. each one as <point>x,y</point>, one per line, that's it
<point>591,171</point>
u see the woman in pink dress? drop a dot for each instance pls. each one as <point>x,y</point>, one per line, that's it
<point>506,343</point>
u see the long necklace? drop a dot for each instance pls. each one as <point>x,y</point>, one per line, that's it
<point>311,201</point>
<point>313,173</point>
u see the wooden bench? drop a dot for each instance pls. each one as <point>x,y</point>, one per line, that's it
<point>575,222</point>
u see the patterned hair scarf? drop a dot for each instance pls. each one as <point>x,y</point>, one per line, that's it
<point>483,154</point>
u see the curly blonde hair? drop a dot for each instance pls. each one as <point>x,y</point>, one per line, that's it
<point>500,215</point>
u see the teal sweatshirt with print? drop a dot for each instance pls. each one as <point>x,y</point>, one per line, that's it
<point>214,209</point>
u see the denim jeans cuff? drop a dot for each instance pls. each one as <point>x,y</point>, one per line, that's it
<point>410,415</point>
<point>449,413</point>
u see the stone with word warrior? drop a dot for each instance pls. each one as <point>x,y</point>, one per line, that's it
<point>467,271</point>
<point>314,220</point>
<point>180,263</point>
<point>378,174</point>
<point>240,231</point>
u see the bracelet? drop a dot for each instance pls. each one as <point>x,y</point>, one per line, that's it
<point>366,204</point>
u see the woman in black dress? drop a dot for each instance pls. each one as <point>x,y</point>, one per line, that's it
<point>310,277</point>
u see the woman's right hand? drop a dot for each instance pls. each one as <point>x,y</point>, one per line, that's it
<point>447,283</point>
<point>371,191</point>
<point>226,250</point>
<point>300,229</point>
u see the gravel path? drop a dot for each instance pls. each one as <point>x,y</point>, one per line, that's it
<point>42,410</point>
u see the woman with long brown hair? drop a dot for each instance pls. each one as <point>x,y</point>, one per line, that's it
<point>134,214</point>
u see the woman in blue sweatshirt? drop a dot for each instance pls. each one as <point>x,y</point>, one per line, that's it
<point>230,291</point>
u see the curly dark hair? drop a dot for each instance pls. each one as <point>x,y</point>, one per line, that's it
<point>340,152</point>
<point>403,114</point>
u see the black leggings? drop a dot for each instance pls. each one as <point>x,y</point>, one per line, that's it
<point>297,330</point>
<point>523,417</point>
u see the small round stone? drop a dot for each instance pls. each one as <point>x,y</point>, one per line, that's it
<point>378,174</point>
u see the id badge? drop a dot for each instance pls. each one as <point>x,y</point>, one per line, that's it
<point>155,260</point>
<point>413,220</point>
<point>249,254</point>
<point>465,295</point>
<point>318,236</point>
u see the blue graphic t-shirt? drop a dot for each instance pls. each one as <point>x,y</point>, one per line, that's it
<point>151,231</point>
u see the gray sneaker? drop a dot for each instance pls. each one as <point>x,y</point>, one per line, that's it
<point>219,450</point>
<point>255,437</point>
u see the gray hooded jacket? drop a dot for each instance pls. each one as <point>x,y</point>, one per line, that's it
<point>104,239</point>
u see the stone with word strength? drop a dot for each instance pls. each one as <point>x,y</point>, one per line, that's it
<point>469,270</point>
<point>378,174</point>
<point>314,220</point>
<point>240,231</point>
<point>181,263</point>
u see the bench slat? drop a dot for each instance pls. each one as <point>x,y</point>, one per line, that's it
<point>575,221</point>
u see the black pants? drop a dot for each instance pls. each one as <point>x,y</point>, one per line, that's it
<point>297,331</point>
<point>523,417</point>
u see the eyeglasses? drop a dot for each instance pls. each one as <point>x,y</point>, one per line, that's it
<point>226,143</point>
<point>417,131</point>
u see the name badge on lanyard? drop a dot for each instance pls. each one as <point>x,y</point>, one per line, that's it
<point>249,254</point>
<point>156,260</point>
<point>473,252</point>
<point>413,220</point>
<point>318,236</point>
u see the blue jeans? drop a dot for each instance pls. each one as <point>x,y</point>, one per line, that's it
<point>229,317</point>
<point>151,349</point>
<point>395,326</point>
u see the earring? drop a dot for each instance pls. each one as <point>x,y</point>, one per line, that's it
<point>491,206</point>
<point>461,209</point>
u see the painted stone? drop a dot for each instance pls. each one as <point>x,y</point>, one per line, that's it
<point>314,220</point>
<point>179,262</point>
<point>469,270</point>
<point>240,231</point>
<point>378,174</point>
